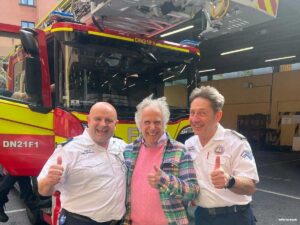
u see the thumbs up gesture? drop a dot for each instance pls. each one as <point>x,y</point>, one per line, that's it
<point>59,160</point>
<point>218,176</point>
<point>55,172</point>
<point>217,163</point>
<point>153,178</point>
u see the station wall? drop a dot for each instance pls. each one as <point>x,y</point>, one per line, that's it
<point>275,95</point>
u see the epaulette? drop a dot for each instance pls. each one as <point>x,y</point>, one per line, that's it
<point>242,137</point>
<point>66,142</point>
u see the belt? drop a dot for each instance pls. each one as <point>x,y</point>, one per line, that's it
<point>225,210</point>
<point>86,219</point>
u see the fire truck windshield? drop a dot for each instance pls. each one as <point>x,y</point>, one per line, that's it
<point>91,72</point>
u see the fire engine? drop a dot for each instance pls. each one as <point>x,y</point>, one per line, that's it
<point>86,65</point>
<point>105,51</point>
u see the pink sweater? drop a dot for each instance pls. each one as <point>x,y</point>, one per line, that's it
<point>146,208</point>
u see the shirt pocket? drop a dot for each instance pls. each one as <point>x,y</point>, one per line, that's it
<point>90,161</point>
<point>118,163</point>
<point>95,171</point>
<point>171,167</point>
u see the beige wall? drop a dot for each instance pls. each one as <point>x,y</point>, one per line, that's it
<point>286,99</point>
<point>244,96</point>
<point>267,94</point>
<point>176,95</point>
<point>270,94</point>
<point>286,94</point>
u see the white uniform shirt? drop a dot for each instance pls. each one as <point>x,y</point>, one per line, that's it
<point>236,160</point>
<point>94,179</point>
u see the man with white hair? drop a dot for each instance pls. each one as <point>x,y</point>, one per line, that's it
<point>160,174</point>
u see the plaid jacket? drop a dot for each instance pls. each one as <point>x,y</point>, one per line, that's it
<point>178,182</point>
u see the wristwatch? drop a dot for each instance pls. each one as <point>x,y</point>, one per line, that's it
<point>231,182</point>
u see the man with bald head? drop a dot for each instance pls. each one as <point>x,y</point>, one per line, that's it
<point>89,172</point>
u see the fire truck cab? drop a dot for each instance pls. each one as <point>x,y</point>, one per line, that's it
<point>85,65</point>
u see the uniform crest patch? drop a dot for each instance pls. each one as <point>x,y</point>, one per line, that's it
<point>219,150</point>
<point>247,155</point>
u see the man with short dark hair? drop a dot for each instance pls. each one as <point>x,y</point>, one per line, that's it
<point>223,160</point>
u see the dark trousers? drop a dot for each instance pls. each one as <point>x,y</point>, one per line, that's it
<point>8,181</point>
<point>246,217</point>
<point>75,219</point>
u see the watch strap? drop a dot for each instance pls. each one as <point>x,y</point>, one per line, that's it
<point>231,182</point>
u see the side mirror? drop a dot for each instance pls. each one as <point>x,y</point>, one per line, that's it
<point>29,41</point>
<point>33,76</point>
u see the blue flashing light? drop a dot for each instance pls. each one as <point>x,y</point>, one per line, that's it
<point>62,14</point>
<point>190,43</point>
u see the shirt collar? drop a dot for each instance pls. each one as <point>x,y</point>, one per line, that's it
<point>162,140</point>
<point>220,133</point>
<point>89,141</point>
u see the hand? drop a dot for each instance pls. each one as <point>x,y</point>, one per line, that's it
<point>192,203</point>
<point>55,172</point>
<point>153,178</point>
<point>218,176</point>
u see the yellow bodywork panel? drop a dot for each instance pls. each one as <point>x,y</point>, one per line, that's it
<point>17,118</point>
